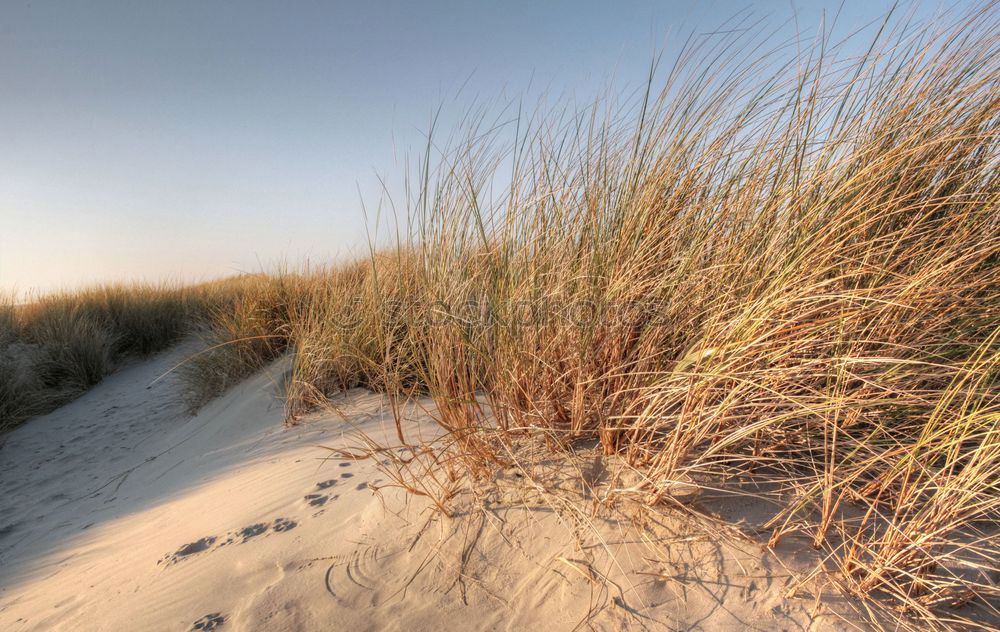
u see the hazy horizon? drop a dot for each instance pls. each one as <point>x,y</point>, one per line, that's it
<point>193,140</point>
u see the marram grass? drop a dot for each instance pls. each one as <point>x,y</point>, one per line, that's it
<point>783,270</point>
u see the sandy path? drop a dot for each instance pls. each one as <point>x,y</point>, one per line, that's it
<point>120,512</point>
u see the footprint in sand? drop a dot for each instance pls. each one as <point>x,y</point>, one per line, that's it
<point>326,484</point>
<point>188,549</point>
<point>316,500</point>
<point>240,536</point>
<point>212,621</point>
<point>284,524</point>
<point>247,533</point>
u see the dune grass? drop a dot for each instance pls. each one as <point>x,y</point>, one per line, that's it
<point>56,346</point>
<point>242,333</point>
<point>780,268</point>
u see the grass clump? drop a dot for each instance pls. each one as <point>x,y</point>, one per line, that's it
<point>242,334</point>
<point>74,351</point>
<point>20,391</point>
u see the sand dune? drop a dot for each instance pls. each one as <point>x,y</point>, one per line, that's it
<point>120,512</point>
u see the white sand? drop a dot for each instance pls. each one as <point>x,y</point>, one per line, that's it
<point>120,512</point>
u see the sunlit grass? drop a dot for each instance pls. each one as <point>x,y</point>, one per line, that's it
<point>795,276</point>
<point>784,270</point>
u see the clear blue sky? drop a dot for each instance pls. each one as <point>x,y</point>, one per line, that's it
<point>189,140</point>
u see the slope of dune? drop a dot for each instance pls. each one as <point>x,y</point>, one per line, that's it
<point>120,512</point>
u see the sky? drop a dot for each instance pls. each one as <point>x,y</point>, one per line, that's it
<point>188,140</point>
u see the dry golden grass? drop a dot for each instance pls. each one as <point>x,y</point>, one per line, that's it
<point>791,278</point>
<point>55,346</point>
<point>777,270</point>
